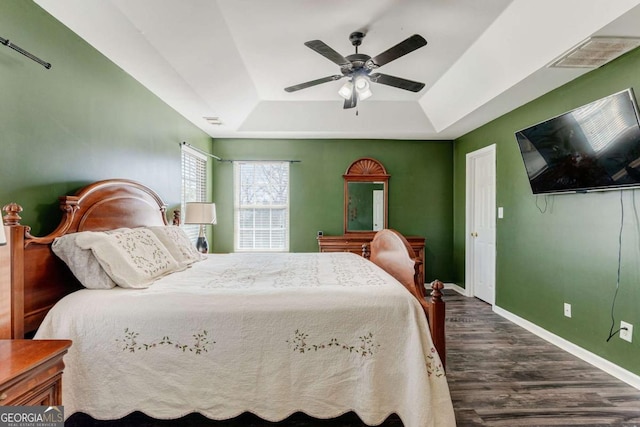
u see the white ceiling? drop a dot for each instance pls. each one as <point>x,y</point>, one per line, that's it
<point>232,59</point>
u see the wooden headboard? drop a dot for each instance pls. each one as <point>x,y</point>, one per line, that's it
<point>39,278</point>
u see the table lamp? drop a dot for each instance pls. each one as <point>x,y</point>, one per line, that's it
<point>201,213</point>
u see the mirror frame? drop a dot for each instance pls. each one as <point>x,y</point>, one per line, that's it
<point>365,169</point>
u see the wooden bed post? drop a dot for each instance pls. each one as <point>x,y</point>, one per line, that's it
<point>437,319</point>
<point>17,280</point>
<point>366,251</point>
<point>15,241</point>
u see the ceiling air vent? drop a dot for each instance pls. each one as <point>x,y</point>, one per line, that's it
<point>213,120</point>
<point>595,52</point>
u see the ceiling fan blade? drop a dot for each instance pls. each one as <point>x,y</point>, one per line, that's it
<point>313,83</point>
<point>323,49</point>
<point>351,102</point>
<point>398,82</point>
<point>408,45</point>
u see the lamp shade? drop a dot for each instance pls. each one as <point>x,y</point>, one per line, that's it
<point>200,213</point>
<point>3,237</point>
<point>346,90</point>
<point>363,88</point>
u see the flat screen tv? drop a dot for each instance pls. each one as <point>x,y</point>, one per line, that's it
<point>594,147</point>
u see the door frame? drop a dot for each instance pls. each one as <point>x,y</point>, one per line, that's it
<point>470,169</point>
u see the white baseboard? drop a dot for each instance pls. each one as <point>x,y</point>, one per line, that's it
<point>458,289</point>
<point>595,360</point>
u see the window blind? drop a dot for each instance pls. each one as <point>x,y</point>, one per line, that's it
<point>261,206</point>
<point>194,185</point>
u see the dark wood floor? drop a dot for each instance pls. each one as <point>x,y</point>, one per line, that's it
<point>499,375</point>
<point>502,375</point>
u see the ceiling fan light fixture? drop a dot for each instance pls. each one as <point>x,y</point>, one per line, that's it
<point>363,88</point>
<point>346,90</point>
<point>364,94</point>
<point>361,83</point>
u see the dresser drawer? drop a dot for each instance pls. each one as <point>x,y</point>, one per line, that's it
<point>36,386</point>
<point>342,247</point>
<point>31,372</point>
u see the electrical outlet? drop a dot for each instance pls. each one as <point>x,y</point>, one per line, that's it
<point>626,331</point>
<point>567,309</point>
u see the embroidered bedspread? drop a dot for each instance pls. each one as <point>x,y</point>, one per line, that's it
<point>272,334</point>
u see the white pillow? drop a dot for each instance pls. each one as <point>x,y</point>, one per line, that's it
<point>178,243</point>
<point>133,259</point>
<point>81,262</point>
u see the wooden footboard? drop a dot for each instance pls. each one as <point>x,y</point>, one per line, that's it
<point>391,251</point>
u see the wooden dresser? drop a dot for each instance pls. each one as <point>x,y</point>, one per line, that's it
<point>31,372</point>
<point>353,243</point>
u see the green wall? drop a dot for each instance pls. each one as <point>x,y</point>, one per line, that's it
<point>568,252</point>
<point>420,196</point>
<point>81,121</point>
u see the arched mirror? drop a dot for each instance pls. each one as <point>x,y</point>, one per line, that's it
<point>366,191</point>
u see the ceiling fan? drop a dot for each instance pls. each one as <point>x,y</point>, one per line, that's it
<point>358,68</point>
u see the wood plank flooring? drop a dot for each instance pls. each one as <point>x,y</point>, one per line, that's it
<point>499,375</point>
<point>502,375</point>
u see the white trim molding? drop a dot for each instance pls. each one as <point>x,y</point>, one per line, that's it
<point>591,358</point>
<point>459,289</point>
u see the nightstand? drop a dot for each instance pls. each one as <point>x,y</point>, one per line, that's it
<point>31,372</point>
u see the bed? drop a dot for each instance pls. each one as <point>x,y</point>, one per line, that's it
<point>270,334</point>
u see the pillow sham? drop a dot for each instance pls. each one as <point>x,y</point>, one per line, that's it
<point>84,266</point>
<point>177,242</point>
<point>134,258</point>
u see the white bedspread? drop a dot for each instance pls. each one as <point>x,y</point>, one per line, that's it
<point>272,334</point>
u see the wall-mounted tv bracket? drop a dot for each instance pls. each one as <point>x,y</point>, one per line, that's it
<point>25,53</point>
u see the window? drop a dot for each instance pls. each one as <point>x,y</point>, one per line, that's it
<point>194,185</point>
<point>261,206</point>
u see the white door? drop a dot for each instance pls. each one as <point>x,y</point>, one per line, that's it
<point>378,210</point>
<point>481,224</point>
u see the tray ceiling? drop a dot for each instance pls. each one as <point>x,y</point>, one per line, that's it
<point>232,59</point>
